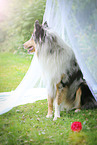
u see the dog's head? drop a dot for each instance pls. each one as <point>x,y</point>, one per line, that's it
<point>39,32</point>
<point>38,36</point>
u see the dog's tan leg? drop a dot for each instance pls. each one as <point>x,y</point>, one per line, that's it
<point>60,97</point>
<point>50,107</point>
<point>58,101</point>
<point>57,111</point>
<point>78,100</point>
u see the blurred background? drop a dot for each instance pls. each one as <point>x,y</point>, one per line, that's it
<point>17,19</point>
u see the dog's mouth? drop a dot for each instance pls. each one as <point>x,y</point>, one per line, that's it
<point>30,46</point>
<point>31,49</point>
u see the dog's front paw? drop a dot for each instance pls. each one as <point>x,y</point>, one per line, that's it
<point>49,115</point>
<point>55,118</point>
<point>77,110</point>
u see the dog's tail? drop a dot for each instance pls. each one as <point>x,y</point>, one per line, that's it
<point>87,99</point>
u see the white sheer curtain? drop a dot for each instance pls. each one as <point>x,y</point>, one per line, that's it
<point>29,90</point>
<point>76,22</point>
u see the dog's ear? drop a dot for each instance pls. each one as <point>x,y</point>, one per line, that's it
<point>45,24</point>
<point>38,34</point>
<point>37,26</point>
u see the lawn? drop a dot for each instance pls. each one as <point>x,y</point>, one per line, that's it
<point>28,125</point>
<point>12,70</point>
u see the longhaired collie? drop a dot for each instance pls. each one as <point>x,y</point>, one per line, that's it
<point>61,73</point>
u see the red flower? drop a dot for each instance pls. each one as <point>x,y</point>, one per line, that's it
<point>76,126</point>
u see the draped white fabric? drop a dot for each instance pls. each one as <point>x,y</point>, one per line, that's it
<point>29,90</point>
<point>76,23</point>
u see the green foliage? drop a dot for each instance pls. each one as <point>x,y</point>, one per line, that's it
<point>20,23</point>
<point>26,15</point>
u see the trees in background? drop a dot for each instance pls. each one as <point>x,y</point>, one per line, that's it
<point>17,24</point>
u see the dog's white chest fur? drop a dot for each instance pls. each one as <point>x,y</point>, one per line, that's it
<point>53,63</point>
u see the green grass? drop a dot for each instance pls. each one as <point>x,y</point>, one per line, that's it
<point>28,125</point>
<point>12,70</point>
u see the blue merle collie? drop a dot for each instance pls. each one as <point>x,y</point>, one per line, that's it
<point>61,72</point>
